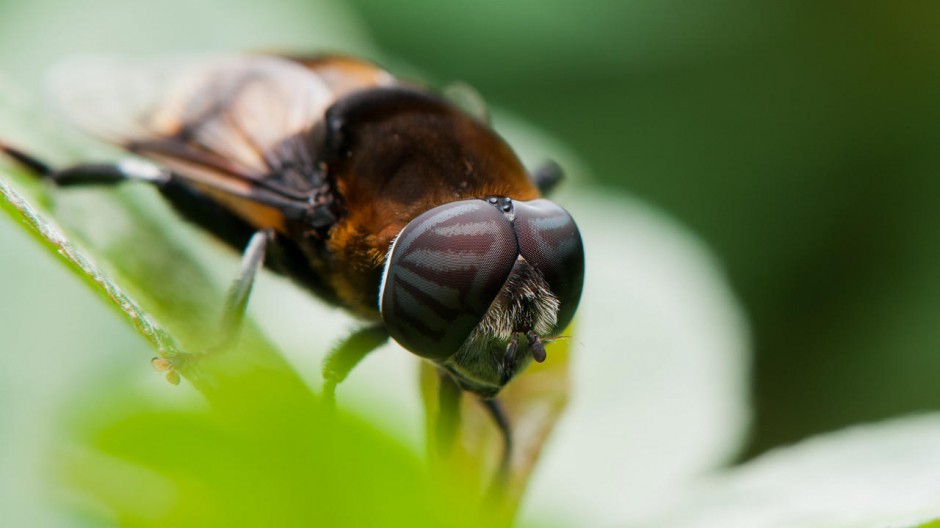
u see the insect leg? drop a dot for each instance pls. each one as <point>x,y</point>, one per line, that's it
<point>448,414</point>
<point>547,176</point>
<point>89,173</point>
<point>236,299</point>
<point>498,413</point>
<point>347,354</point>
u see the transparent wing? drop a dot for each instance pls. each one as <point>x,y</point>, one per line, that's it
<point>223,121</point>
<point>237,108</point>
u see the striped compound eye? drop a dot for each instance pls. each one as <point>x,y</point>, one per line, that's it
<point>448,265</point>
<point>443,272</point>
<point>550,241</point>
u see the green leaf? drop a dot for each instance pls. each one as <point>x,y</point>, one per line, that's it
<point>147,274</point>
<point>263,454</point>
<point>52,238</point>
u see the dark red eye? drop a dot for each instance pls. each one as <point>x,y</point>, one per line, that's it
<point>550,241</point>
<point>444,270</point>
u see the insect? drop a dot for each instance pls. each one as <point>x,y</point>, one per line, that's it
<point>373,193</point>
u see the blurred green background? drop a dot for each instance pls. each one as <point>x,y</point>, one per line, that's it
<point>798,139</point>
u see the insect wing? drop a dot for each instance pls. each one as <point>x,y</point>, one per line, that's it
<point>226,122</point>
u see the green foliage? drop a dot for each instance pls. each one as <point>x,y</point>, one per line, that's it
<point>185,303</point>
<point>264,453</point>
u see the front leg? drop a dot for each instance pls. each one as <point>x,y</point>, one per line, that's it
<point>448,425</point>
<point>346,355</point>
<point>448,414</point>
<point>498,413</point>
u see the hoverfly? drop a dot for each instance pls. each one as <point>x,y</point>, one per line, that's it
<point>374,194</point>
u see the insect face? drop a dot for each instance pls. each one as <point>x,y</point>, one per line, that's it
<point>464,280</point>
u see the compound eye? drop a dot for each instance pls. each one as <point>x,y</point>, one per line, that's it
<point>444,270</point>
<point>550,241</point>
